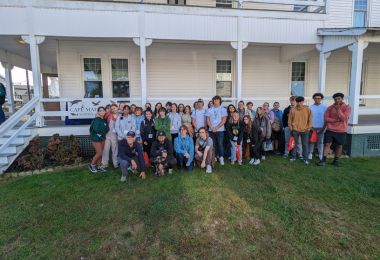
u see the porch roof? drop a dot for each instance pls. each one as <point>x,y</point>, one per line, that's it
<point>348,31</point>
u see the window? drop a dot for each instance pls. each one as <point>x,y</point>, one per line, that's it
<point>176,2</point>
<point>92,75</point>
<point>120,79</point>
<point>360,13</point>
<point>298,79</point>
<point>223,78</point>
<point>224,3</point>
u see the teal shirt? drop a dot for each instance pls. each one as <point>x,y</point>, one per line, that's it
<point>98,129</point>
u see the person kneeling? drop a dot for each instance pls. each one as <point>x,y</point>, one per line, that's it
<point>184,148</point>
<point>204,150</point>
<point>161,154</point>
<point>130,156</point>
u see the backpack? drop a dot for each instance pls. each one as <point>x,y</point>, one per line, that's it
<point>276,127</point>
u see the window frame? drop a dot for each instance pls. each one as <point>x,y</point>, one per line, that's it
<point>111,79</point>
<point>364,11</point>
<point>232,74</point>
<point>82,57</point>
<point>306,78</point>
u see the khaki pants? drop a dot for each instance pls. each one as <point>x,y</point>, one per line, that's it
<point>111,143</point>
<point>210,159</point>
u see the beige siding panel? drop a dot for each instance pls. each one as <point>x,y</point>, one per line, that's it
<point>184,70</point>
<point>201,2</point>
<point>372,80</point>
<point>71,54</point>
<point>337,72</point>
<point>263,6</point>
<point>339,13</point>
<point>263,73</point>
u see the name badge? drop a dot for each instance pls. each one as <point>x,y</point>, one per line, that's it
<point>150,136</point>
<point>248,141</point>
<point>235,138</point>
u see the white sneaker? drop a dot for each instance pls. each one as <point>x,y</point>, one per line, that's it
<point>310,156</point>
<point>240,162</point>
<point>263,157</point>
<point>208,169</point>
<point>123,178</point>
<point>221,161</point>
<point>252,161</point>
<point>170,171</point>
<point>232,162</point>
<point>257,162</point>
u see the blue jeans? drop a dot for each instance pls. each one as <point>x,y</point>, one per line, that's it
<point>218,139</point>
<point>287,137</point>
<point>124,165</point>
<point>319,143</point>
<point>182,161</point>
<point>233,152</point>
<point>305,143</point>
<point>2,115</point>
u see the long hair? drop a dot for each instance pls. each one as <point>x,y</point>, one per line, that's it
<point>248,126</point>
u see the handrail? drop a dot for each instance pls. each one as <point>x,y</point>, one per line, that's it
<point>15,118</point>
<point>17,132</point>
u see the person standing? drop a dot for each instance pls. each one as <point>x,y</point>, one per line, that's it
<point>252,139</point>
<point>3,94</point>
<point>175,122</point>
<point>162,123</point>
<point>98,131</point>
<point>138,118</point>
<point>131,156</point>
<point>300,123</point>
<point>124,123</point>
<point>336,118</point>
<point>216,118</point>
<point>162,154</point>
<point>184,149</point>
<point>111,138</point>
<point>250,111</point>
<point>276,127</point>
<point>147,131</point>
<point>204,150</point>
<point>262,121</point>
<point>235,131</point>
<point>318,110</point>
<point>199,116</point>
<point>187,120</point>
<point>285,117</point>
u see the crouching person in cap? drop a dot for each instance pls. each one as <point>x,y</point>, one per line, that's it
<point>204,150</point>
<point>161,154</point>
<point>130,156</point>
<point>184,148</point>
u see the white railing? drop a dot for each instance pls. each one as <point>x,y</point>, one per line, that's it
<point>15,119</point>
<point>370,111</point>
<point>307,6</point>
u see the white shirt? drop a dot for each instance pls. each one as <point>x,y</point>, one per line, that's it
<point>216,114</point>
<point>200,117</point>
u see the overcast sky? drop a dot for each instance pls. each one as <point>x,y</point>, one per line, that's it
<point>18,75</point>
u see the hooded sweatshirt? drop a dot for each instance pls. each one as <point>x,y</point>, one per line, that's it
<point>300,119</point>
<point>336,117</point>
<point>184,145</point>
<point>123,125</point>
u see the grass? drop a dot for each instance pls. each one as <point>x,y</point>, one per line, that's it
<point>276,210</point>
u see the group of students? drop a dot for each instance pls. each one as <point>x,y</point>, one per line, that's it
<point>182,137</point>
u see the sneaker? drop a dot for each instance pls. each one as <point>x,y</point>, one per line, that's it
<point>252,161</point>
<point>310,156</point>
<point>92,168</point>
<point>292,159</point>
<point>301,157</point>
<point>306,162</point>
<point>240,162</point>
<point>170,171</point>
<point>285,156</point>
<point>208,169</point>
<point>263,157</point>
<point>221,161</point>
<point>257,162</point>
<point>232,162</point>
<point>123,178</point>
<point>101,169</point>
<point>321,163</point>
<point>336,163</point>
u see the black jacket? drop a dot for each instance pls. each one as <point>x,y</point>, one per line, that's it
<point>255,136</point>
<point>147,131</point>
<point>235,132</point>
<point>285,116</point>
<point>158,148</point>
<point>125,152</point>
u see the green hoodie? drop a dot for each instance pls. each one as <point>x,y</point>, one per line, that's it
<point>163,124</point>
<point>98,129</point>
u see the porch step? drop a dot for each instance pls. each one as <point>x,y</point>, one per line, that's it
<point>24,133</point>
<point>8,150</point>
<point>15,142</point>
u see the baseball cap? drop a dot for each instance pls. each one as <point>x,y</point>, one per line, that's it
<point>131,134</point>
<point>161,133</point>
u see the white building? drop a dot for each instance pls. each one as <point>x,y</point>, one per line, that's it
<point>180,50</point>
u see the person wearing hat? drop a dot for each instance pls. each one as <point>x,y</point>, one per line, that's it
<point>198,115</point>
<point>336,118</point>
<point>130,156</point>
<point>161,154</point>
<point>300,123</point>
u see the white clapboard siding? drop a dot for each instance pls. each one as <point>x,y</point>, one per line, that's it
<point>372,80</point>
<point>339,13</point>
<point>201,2</point>
<point>374,14</point>
<point>70,57</point>
<point>184,70</point>
<point>337,72</point>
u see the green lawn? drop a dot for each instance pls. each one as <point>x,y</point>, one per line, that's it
<point>276,210</point>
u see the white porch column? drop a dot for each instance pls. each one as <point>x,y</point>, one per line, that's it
<point>322,71</point>
<point>143,43</point>
<point>34,41</point>
<point>356,75</point>
<point>9,86</point>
